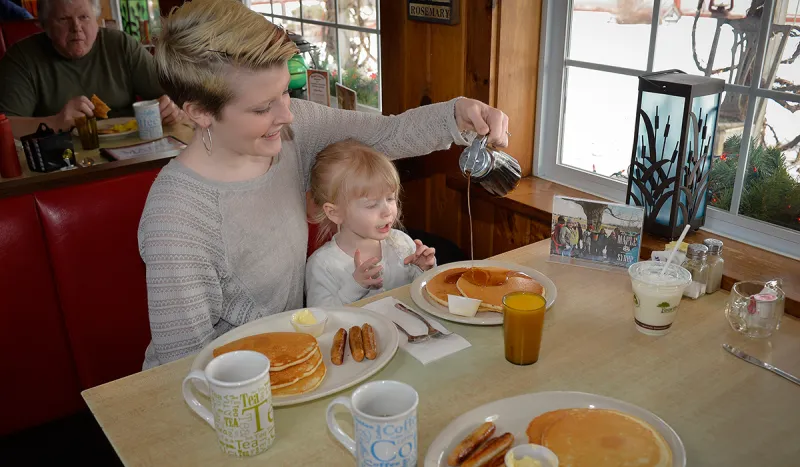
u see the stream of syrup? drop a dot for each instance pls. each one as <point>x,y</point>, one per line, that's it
<point>478,276</point>
<point>469,213</point>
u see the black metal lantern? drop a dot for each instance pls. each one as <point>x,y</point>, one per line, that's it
<point>671,160</point>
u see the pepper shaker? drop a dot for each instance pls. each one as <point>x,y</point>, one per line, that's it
<point>696,264</point>
<point>715,264</point>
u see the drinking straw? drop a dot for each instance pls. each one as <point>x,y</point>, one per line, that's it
<point>675,248</point>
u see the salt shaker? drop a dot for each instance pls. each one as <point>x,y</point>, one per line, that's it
<point>715,264</point>
<point>9,160</point>
<point>696,264</point>
<point>497,172</point>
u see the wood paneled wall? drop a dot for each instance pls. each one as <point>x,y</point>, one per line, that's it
<point>492,56</point>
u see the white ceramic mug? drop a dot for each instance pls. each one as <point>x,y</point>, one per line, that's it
<point>241,401</point>
<point>385,420</point>
<point>148,118</point>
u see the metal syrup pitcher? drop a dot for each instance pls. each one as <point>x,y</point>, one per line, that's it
<point>497,172</point>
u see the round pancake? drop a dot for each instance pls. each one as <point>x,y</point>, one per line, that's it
<point>303,386</point>
<point>538,425</point>
<point>444,284</point>
<point>605,438</point>
<point>490,284</point>
<point>295,373</point>
<point>283,349</point>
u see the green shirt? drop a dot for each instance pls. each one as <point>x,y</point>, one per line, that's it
<point>37,81</point>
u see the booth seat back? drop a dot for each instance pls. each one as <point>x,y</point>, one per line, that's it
<point>15,31</point>
<point>39,378</point>
<point>90,230</point>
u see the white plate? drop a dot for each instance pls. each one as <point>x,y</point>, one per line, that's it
<point>107,123</point>
<point>485,318</point>
<point>514,414</point>
<point>337,378</point>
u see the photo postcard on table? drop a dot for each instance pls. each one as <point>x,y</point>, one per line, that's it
<point>595,234</point>
<point>345,97</point>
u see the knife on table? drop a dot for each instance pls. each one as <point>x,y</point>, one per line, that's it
<point>750,359</point>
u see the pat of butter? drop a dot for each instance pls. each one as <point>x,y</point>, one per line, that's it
<point>304,317</point>
<point>527,461</point>
<point>462,306</point>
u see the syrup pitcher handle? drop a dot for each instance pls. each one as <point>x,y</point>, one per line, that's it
<point>469,157</point>
<point>334,427</point>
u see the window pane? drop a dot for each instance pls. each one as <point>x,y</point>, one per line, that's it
<point>772,183</point>
<point>286,8</point>
<point>291,26</point>
<point>689,47</point>
<point>358,52</point>
<point>611,33</point>
<point>361,13</point>
<point>727,146</point>
<point>323,56</point>
<point>261,6</point>
<point>599,119</point>
<point>783,74</point>
<point>320,10</point>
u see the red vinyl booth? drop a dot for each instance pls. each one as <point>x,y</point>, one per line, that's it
<point>73,299</point>
<point>14,31</point>
<point>91,240</point>
<point>39,378</point>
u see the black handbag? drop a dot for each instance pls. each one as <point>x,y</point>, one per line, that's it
<point>47,151</point>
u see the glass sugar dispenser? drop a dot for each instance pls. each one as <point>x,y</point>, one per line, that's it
<point>696,264</point>
<point>716,264</point>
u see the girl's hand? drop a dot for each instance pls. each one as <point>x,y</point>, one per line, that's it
<point>424,257</point>
<point>472,115</point>
<point>367,274</point>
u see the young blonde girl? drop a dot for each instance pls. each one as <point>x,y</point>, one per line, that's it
<point>357,189</point>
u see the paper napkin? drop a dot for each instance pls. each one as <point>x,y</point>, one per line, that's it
<point>428,351</point>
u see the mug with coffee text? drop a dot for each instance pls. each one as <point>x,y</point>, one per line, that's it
<point>385,421</point>
<point>241,401</point>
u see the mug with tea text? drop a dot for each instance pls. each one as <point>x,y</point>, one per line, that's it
<point>241,401</point>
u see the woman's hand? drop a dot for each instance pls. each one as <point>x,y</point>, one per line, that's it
<point>472,115</point>
<point>424,257</point>
<point>367,274</point>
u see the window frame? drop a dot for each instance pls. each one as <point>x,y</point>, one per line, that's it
<point>338,26</point>
<point>553,71</point>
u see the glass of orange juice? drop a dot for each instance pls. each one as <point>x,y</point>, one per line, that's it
<point>523,320</point>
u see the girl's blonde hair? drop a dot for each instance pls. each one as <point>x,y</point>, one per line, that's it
<point>202,39</point>
<point>345,171</point>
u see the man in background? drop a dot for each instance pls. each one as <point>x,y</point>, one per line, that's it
<point>49,77</point>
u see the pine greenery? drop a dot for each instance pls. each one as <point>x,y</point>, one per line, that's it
<point>769,193</point>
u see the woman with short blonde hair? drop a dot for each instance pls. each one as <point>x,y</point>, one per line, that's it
<point>224,234</point>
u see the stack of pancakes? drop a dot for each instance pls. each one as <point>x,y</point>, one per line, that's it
<point>296,365</point>
<point>599,438</point>
<point>488,284</point>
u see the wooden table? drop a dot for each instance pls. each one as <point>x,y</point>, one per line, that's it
<point>727,412</point>
<point>181,131</point>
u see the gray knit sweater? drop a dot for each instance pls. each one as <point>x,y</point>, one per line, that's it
<point>219,255</point>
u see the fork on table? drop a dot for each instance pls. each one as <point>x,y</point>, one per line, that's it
<point>412,339</point>
<point>432,331</point>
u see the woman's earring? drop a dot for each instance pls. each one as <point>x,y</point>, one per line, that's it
<point>210,144</point>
